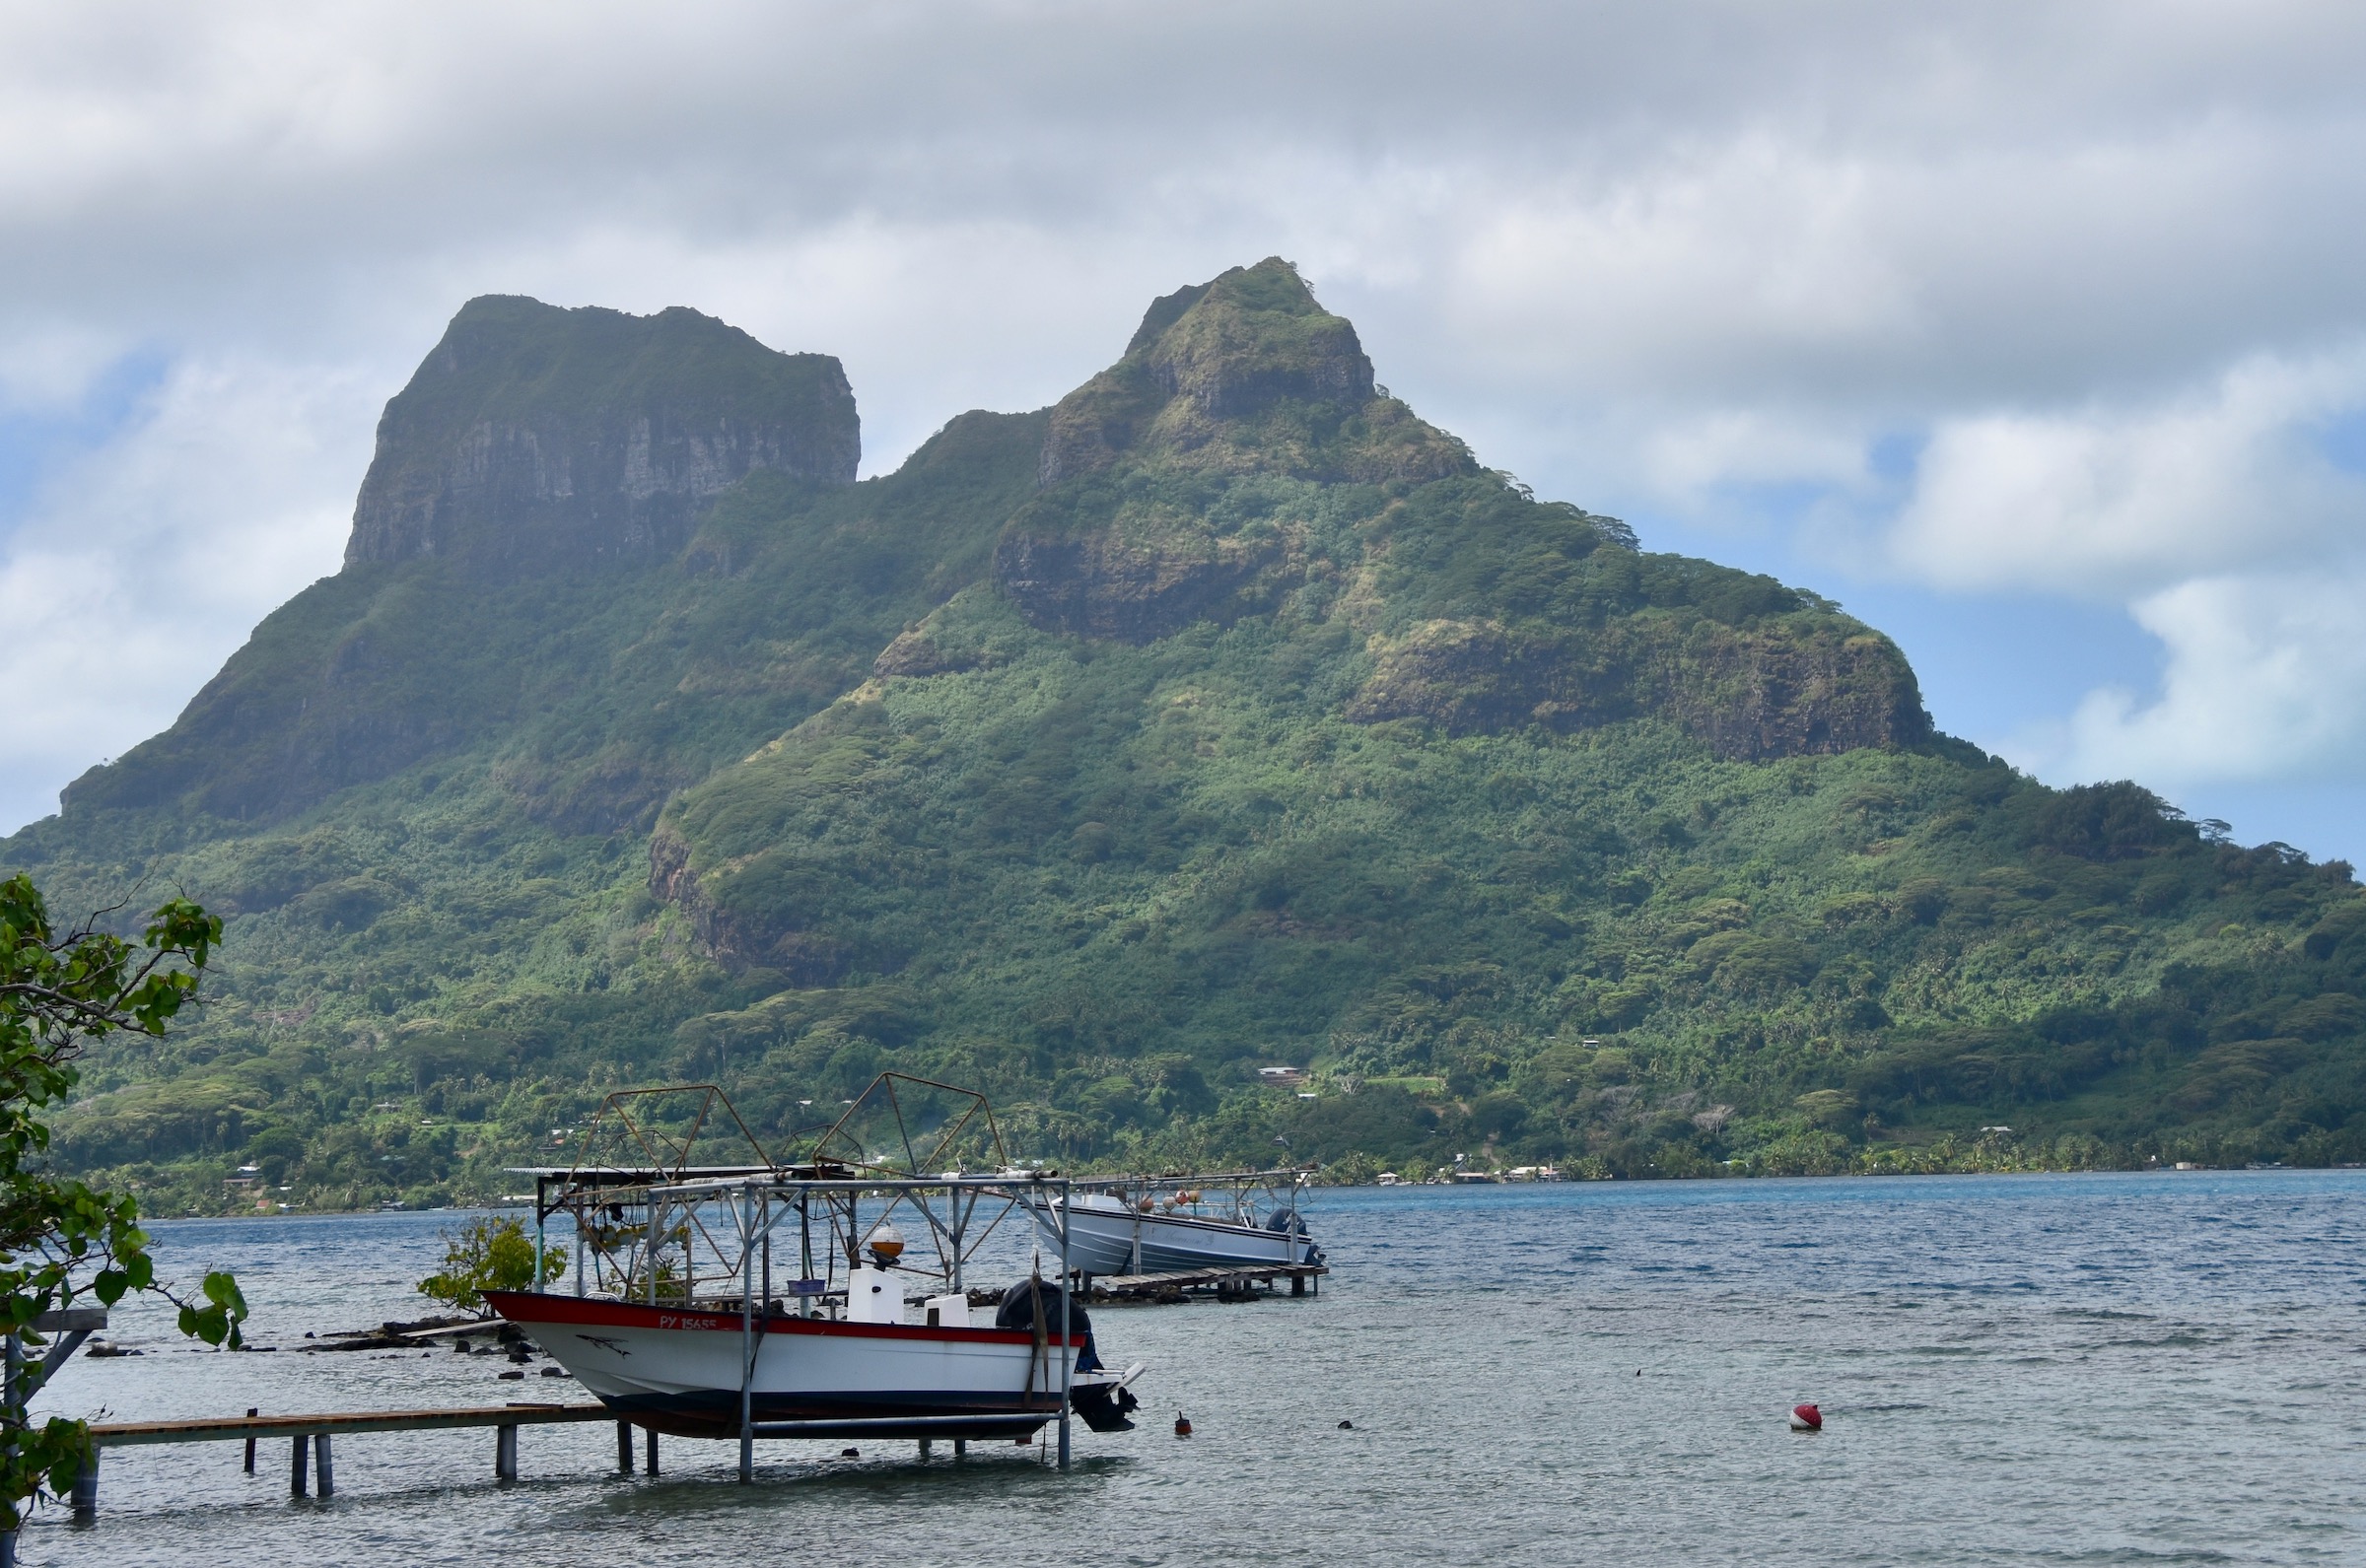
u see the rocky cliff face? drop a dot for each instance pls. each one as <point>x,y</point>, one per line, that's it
<point>1104,585</point>
<point>1750,694</point>
<point>1208,473</point>
<point>1247,374</point>
<point>794,943</point>
<point>1227,385</point>
<point>535,451</point>
<point>534,438</point>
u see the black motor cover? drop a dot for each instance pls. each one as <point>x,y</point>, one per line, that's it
<point>1106,1410</point>
<point>1017,1310</point>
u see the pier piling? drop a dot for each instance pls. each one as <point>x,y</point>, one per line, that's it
<point>253,1411</point>
<point>324,1474</point>
<point>299,1464</point>
<point>86,1485</point>
<point>505,1453</point>
<point>653,1450</point>
<point>624,1448</point>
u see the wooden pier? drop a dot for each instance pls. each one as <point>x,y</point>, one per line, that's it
<point>309,1456</point>
<point>1229,1283</point>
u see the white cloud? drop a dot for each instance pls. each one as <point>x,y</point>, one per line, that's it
<point>2265,681</point>
<point>148,559</point>
<point>2100,503</point>
<point>1672,249</point>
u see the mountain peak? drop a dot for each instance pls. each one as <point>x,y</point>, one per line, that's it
<point>1245,372</point>
<point>533,436</point>
<point>1254,337</point>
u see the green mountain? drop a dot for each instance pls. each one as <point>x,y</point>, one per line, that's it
<point>1225,715</point>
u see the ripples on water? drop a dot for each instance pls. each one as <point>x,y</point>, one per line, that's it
<point>2094,1369</point>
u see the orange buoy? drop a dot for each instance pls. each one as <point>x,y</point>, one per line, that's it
<point>1182,1424</point>
<point>1806,1418</point>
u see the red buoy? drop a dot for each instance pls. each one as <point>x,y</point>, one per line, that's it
<point>1806,1418</point>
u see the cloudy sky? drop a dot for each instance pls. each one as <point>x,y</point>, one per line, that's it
<point>2034,333</point>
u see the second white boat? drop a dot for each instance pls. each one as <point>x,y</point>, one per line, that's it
<point>1115,1233</point>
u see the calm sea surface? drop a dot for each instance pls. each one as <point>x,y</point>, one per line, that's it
<point>2091,1369</point>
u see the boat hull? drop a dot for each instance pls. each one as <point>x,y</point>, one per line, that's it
<point>1104,1241</point>
<point>677,1370</point>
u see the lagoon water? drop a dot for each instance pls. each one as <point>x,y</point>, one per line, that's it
<point>2076,1369</point>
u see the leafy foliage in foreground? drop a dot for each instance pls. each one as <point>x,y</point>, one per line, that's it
<point>62,1240</point>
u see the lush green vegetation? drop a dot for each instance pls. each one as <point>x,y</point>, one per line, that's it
<point>63,1242</point>
<point>490,1253</point>
<point>1226,716</point>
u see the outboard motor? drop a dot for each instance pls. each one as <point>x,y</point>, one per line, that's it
<point>1290,1222</point>
<point>1104,1409</point>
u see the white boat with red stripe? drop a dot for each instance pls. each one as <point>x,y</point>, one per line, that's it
<point>677,1369</point>
<point>766,1299</point>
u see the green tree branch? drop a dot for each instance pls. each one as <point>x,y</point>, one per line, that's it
<point>62,1240</point>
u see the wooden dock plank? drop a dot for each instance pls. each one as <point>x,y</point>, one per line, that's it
<point>1184,1280</point>
<point>129,1434</point>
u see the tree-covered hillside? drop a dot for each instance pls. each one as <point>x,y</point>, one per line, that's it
<point>1225,715</point>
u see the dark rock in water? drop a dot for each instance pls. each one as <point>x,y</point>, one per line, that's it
<point>512,1376</point>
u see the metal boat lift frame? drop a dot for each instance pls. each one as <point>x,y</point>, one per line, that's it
<point>736,1212</point>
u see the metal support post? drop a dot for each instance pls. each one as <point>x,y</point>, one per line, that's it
<point>747,1336</point>
<point>253,1411</point>
<point>299,1465</point>
<point>624,1448</point>
<point>807,1306</point>
<point>505,1453</point>
<point>657,1221</point>
<point>1067,1359</point>
<point>924,1450</point>
<point>324,1474</point>
<point>961,1448</point>
<point>653,1450</point>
